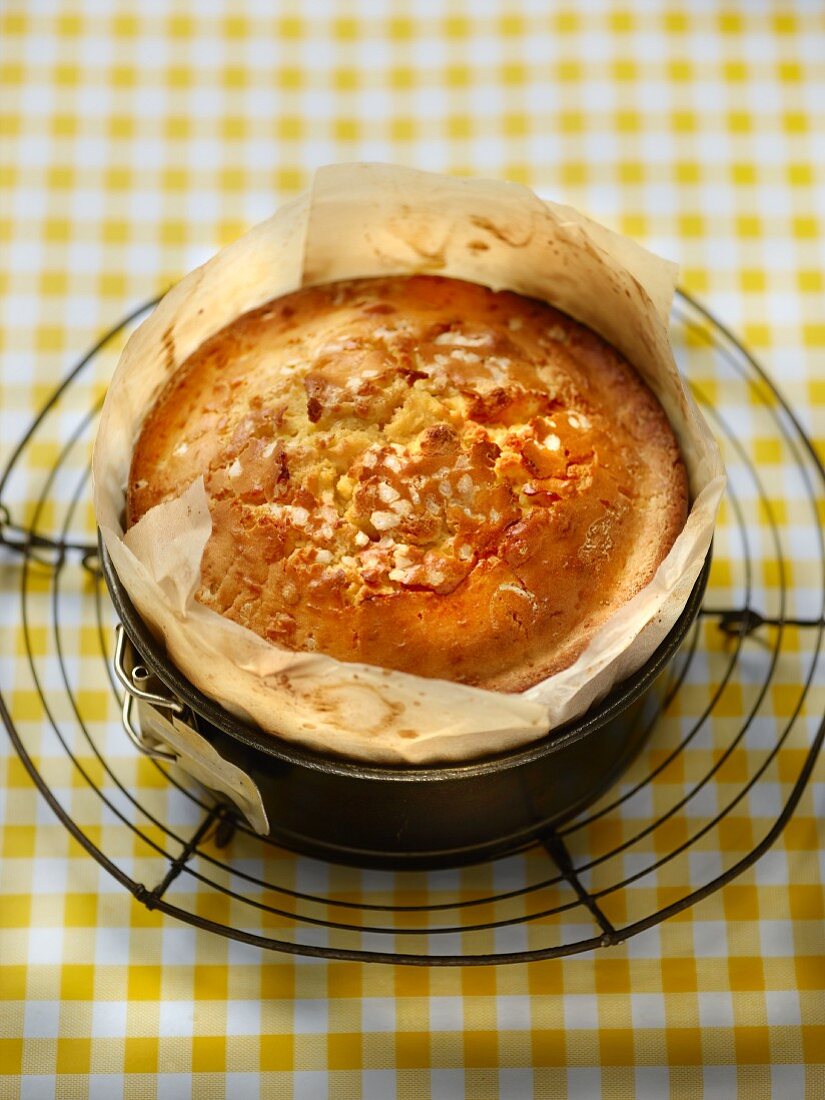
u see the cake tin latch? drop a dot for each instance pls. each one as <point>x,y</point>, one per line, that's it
<point>166,730</point>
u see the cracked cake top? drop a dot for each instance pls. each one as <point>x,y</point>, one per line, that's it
<point>419,473</point>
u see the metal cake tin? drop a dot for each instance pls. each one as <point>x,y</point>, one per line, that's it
<point>380,815</point>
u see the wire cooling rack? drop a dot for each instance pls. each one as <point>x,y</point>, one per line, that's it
<point>733,737</point>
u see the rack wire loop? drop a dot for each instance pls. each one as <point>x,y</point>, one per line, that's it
<point>23,540</point>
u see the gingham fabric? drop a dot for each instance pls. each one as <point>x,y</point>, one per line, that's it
<point>139,138</point>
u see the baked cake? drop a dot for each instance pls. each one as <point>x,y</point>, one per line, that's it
<point>418,473</point>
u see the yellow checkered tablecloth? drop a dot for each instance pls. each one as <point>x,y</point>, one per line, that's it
<point>136,140</point>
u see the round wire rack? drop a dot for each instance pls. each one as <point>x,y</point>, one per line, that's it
<point>732,740</point>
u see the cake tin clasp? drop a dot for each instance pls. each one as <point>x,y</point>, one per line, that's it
<point>136,677</point>
<point>167,730</point>
<point>131,676</point>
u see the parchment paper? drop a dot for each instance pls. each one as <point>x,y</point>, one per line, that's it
<point>365,220</point>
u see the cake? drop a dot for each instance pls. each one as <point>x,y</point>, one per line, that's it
<point>418,473</point>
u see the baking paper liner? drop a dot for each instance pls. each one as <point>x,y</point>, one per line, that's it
<point>361,220</point>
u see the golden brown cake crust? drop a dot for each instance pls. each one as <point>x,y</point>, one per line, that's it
<point>418,473</point>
